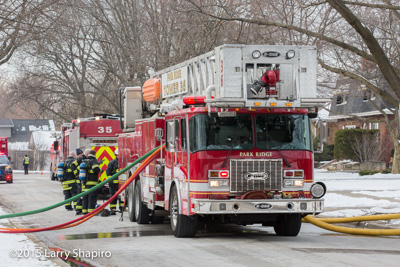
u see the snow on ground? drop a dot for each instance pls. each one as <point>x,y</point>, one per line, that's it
<point>348,195</point>
<point>360,195</point>
<point>19,250</point>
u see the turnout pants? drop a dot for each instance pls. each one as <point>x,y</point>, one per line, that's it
<point>69,188</point>
<point>78,205</point>
<point>113,189</point>
<point>89,201</point>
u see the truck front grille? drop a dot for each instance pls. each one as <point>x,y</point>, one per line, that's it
<point>255,174</point>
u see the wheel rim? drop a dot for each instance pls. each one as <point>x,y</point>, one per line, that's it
<point>174,211</point>
<point>130,200</point>
<point>137,202</point>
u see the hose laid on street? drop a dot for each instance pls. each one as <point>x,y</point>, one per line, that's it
<point>95,211</point>
<point>354,231</point>
<point>393,216</point>
<point>81,194</point>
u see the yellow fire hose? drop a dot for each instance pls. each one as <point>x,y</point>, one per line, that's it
<point>325,224</point>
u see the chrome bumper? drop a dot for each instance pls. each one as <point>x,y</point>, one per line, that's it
<point>251,206</point>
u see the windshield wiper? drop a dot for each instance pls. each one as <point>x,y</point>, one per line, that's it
<point>230,150</point>
<point>284,159</point>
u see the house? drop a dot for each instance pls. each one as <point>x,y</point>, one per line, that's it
<point>40,143</point>
<point>351,108</point>
<point>19,132</point>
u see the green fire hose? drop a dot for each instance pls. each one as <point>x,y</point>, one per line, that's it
<point>81,194</point>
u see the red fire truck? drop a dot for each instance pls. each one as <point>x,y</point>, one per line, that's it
<point>3,146</point>
<point>238,147</point>
<point>98,133</point>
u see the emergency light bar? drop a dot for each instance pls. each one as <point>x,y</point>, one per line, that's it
<point>194,100</point>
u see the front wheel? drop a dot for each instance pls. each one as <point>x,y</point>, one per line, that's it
<point>131,203</point>
<point>288,225</point>
<point>182,225</point>
<point>142,213</point>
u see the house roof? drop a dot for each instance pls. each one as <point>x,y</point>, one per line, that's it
<point>6,123</point>
<point>21,132</point>
<point>41,140</point>
<point>354,102</point>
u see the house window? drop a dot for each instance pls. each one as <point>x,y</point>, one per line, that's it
<point>368,95</point>
<point>340,100</point>
<point>349,127</point>
<point>374,126</point>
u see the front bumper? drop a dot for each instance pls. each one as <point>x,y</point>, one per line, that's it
<point>257,206</point>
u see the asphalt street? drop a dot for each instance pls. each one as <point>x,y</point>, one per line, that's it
<point>107,241</point>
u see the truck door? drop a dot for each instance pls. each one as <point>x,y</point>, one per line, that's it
<point>177,158</point>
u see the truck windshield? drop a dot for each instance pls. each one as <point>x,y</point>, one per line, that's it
<point>283,131</point>
<point>221,133</point>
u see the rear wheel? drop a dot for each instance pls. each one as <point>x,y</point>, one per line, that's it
<point>142,213</point>
<point>131,203</point>
<point>182,225</point>
<point>288,225</point>
<point>10,181</point>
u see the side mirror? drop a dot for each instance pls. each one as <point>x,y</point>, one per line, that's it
<point>55,146</point>
<point>322,128</point>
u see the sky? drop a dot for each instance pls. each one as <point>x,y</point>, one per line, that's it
<point>348,195</point>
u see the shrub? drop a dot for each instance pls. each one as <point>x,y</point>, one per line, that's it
<point>387,171</point>
<point>367,172</point>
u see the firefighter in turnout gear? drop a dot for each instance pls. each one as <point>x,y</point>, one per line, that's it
<point>80,157</point>
<point>112,169</point>
<point>92,179</point>
<point>69,179</point>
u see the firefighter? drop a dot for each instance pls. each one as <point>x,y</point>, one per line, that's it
<point>112,169</point>
<point>80,157</point>
<point>26,164</point>
<point>92,179</point>
<point>69,179</point>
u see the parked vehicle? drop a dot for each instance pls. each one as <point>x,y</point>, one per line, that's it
<point>6,172</point>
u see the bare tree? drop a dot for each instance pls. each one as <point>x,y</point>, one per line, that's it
<point>20,21</point>
<point>367,147</point>
<point>344,31</point>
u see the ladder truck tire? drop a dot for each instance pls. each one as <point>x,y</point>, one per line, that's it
<point>131,203</point>
<point>182,225</point>
<point>288,225</point>
<point>142,213</point>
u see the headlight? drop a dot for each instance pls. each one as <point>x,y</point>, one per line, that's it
<point>256,54</point>
<point>293,183</point>
<point>218,182</point>
<point>290,54</point>
<point>318,190</point>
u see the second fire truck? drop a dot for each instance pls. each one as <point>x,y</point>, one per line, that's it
<point>235,123</point>
<point>98,133</point>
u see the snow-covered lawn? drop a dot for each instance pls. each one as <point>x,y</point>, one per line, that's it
<point>19,250</point>
<point>352,195</point>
